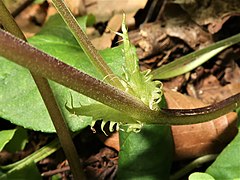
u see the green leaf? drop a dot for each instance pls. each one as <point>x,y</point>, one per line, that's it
<point>200,176</point>
<point>193,60</point>
<point>18,142</point>
<point>145,155</point>
<point>28,171</point>
<point>20,101</point>
<point>5,137</point>
<point>227,164</point>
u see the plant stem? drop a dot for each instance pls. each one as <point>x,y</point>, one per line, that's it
<point>86,45</point>
<point>49,67</point>
<point>194,164</point>
<point>49,100</point>
<point>199,115</point>
<point>8,22</point>
<point>61,127</point>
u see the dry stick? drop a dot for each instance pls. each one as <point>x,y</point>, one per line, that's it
<point>55,171</point>
<point>48,97</point>
<point>49,67</point>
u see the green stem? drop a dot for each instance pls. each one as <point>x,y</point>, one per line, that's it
<point>49,100</point>
<point>194,164</point>
<point>61,127</point>
<point>49,67</point>
<point>86,45</point>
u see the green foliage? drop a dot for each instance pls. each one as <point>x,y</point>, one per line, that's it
<point>20,100</point>
<point>147,154</point>
<point>5,137</point>
<point>227,164</point>
<point>18,141</point>
<point>200,176</point>
<point>13,140</point>
<point>193,60</point>
<point>143,155</point>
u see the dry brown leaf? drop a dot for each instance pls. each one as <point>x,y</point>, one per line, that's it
<point>114,25</point>
<point>232,73</point>
<point>179,24</point>
<point>31,18</point>
<point>211,91</point>
<point>212,13</point>
<point>104,10</point>
<point>77,7</point>
<point>111,140</point>
<point>198,139</point>
<point>105,41</point>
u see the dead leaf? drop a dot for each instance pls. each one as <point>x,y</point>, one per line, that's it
<point>232,74</point>
<point>179,24</point>
<point>195,140</point>
<point>111,140</point>
<point>177,32</point>
<point>114,25</point>
<point>210,91</point>
<point>212,13</point>
<point>105,41</point>
<point>104,10</point>
<point>77,7</point>
<point>31,19</point>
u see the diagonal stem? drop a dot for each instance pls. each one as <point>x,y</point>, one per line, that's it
<point>49,67</point>
<point>93,55</point>
<point>48,97</point>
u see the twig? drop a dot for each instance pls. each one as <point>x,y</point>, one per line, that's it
<point>55,171</point>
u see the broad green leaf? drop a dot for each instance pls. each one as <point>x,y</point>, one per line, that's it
<point>28,171</point>
<point>20,101</point>
<point>200,176</point>
<point>227,164</point>
<point>5,137</point>
<point>146,155</point>
<point>18,141</point>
